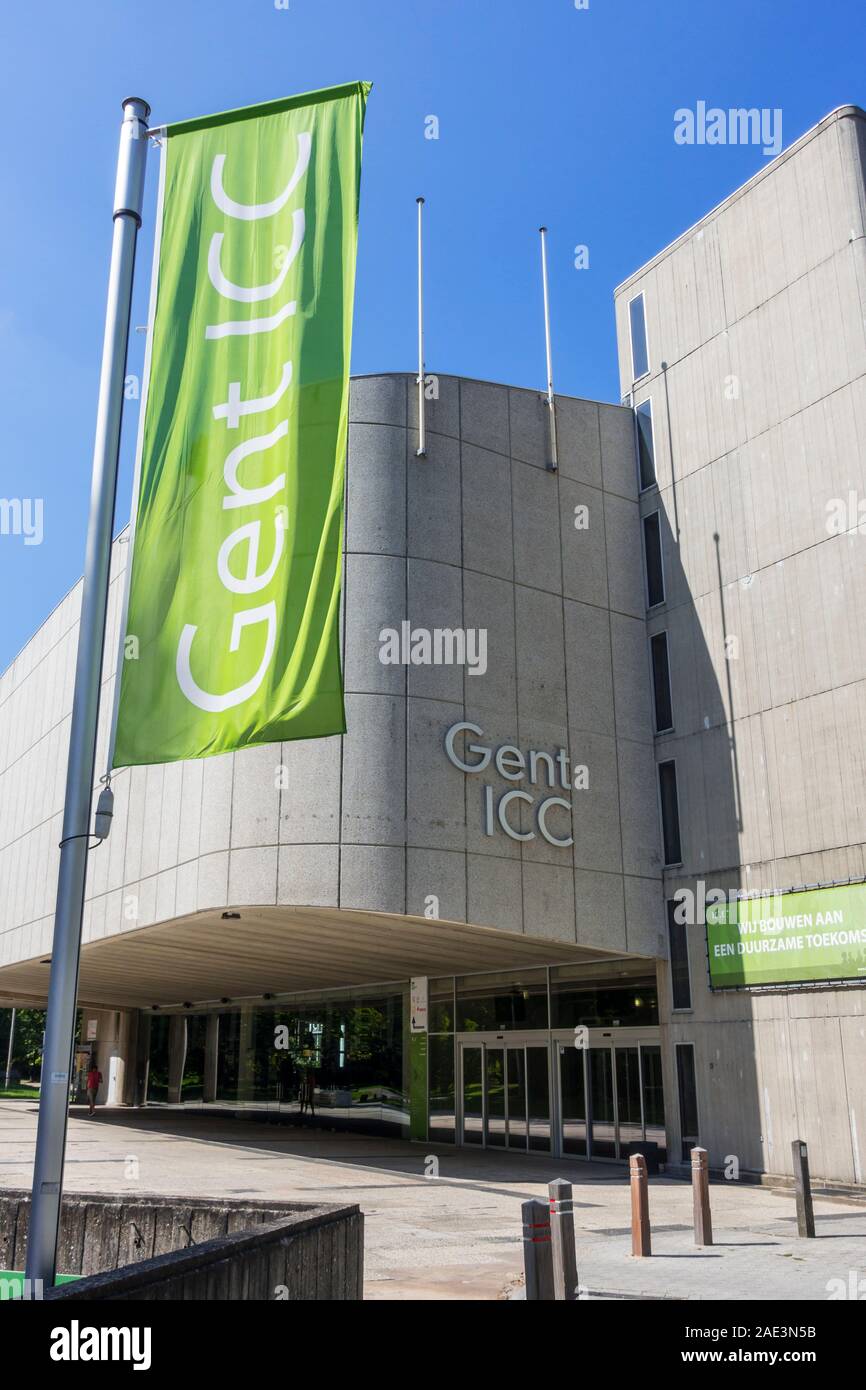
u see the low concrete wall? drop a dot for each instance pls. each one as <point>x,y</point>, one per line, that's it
<point>168,1248</point>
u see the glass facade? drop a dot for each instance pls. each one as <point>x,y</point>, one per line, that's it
<point>599,997</point>
<point>639,348</point>
<point>503,1065</point>
<point>342,1058</point>
<point>502,1001</point>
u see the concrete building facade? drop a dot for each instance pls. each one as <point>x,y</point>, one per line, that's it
<point>570,693</point>
<point>756,384</point>
<point>371,858</point>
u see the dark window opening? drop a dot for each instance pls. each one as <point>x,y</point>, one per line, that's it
<point>646,444</point>
<point>681,988</point>
<point>655,580</point>
<point>670,812</point>
<point>662,683</point>
<point>688,1097</point>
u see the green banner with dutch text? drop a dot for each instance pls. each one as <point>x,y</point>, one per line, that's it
<point>232,632</point>
<point>802,937</point>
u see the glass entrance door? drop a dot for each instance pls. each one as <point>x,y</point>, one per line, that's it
<point>472,1094</point>
<point>494,1080</point>
<point>574,1130</point>
<point>602,1106</point>
<point>610,1097</point>
<point>505,1090</point>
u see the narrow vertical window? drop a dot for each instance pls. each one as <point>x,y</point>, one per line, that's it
<point>646,451</point>
<point>661,683</point>
<point>670,812</point>
<point>688,1098</point>
<point>639,349</point>
<point>652,544</point>
<point>681,985</point>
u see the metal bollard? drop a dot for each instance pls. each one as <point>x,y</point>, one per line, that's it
<point>562,1240</point>
<point>803,1189</point>
<point>537,1251</point>
<point>701,1195</point>
<point>640,1222</point>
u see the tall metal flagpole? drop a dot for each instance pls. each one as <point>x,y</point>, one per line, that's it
<point>421,451</point>
<point>551,400</point>
<point>63,987</point>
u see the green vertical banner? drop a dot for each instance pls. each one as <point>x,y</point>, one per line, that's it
<point>418,1109</point>
<point>232,633</point>
<point>418,1066</point>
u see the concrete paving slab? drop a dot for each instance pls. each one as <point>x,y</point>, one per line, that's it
<point>458,1235</point>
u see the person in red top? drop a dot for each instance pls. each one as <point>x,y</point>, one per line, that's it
<point>94,1081</point>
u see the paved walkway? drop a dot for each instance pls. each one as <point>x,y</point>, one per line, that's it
<point>458,1236</point>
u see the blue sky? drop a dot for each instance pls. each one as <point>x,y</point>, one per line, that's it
<point>546,113</point>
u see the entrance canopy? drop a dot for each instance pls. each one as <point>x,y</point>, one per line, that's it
<point>248,952</point>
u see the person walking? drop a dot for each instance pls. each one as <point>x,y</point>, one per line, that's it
<point>307,1094</point>
<point>94,1081</point>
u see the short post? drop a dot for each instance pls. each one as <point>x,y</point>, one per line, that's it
<point>640,1222</point>
<point>562,1240</point>
<point>537,1252</point>
<point>803,1189</point>
<point>701,1195</point>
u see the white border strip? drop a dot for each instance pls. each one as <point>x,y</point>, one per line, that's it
<point>139,446</point>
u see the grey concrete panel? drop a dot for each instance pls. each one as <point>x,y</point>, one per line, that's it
<point>494,892</point>
<point>644,916</point>
<point>433,492</point>
<point>548,902</point>
<point>484,415</point>
<point>216,801</point>
<point>376,490</point>
<point>641,831</point>
<point>190,810</point>
<point>256,796</point>
<point>488,606</point>
<point>378,400</point>
<point>373,877</point>
<point>588,668</point>
<point>435,603</point>
<point>441,406</point>
<point>374,771</point>
<point>375,594</point>
<point>625,574</point>
<point>487,530</point>
<point>309,875</point>
<point>618,458</point>
<point>540,656</point>
<point>213,881</point>
<point>529,416</point>
<point>599,901</point>
<point>253,876</point>
<point>310,763</point>
<point>435,806</point>
<point>536,527</point>
<point>631,678</point>
<point>579,440</point>
<point>436,884</point>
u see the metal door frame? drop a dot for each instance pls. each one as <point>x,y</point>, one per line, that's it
<point>600,1039</point>
<point>503,1042</point>
<point>610,1038</point>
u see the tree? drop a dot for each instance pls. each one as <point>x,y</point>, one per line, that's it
<point>27,1046</point>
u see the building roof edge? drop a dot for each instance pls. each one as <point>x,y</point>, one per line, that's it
<point>848,111</point>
